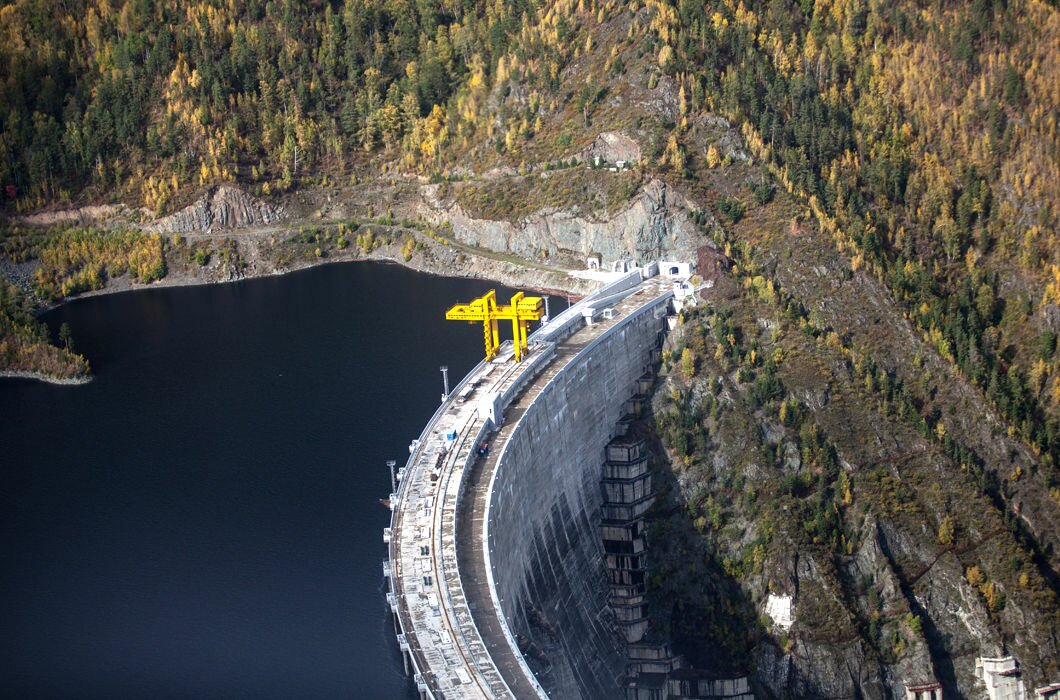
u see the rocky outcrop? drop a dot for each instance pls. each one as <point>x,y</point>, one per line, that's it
<point>78,216</point>
<point>917,577</point>
<point>721,134</point>
<point>1050,315</point>
<point>612,147</point>
<point>655,225</point>
<point>222,207</point>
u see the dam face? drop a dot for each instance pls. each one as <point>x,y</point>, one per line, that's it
<point>496,570</point>
<point>546,549</point>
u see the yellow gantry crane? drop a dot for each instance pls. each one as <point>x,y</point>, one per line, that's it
<point>520,311</point>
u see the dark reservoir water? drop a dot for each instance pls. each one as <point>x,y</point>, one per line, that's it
<point>202,520</point>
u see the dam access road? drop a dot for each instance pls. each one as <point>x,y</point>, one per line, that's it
<point>459,606</point>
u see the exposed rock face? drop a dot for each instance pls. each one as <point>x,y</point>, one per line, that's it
<point>1050,314</point>
<point>221,207</point>
<point>932,624</point>
<point>612,146</point>
<point>728,140</point>
<point>655,225</point>
<point>81,216</point>
<point>919,576</point>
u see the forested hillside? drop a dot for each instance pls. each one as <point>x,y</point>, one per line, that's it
<point>144,98</point>
<point>924,139</point>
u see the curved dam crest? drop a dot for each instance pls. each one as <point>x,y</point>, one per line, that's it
<point>529,615</point>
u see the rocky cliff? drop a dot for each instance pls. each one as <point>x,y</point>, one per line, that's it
<point>655,223</point>
<point>221,207</point>
<point>798,471</point>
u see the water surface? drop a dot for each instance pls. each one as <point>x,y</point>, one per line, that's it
<point>202,520</point>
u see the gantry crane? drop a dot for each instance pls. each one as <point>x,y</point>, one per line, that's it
<point>520,311</point>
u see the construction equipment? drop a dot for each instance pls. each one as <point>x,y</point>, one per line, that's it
<point>520,312</point>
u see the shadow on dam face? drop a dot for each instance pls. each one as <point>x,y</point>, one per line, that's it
<point>544,521</point>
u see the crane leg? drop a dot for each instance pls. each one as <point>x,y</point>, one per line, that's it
<point>515,340</point>
<point>488,337</point>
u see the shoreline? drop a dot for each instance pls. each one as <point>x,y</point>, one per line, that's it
<point>469,265</point>
<point>484,268</point>
<point>46,378</point>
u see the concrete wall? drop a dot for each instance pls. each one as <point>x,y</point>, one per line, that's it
<point>544,519</point>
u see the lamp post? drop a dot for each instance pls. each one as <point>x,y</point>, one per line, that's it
<point>445,382</point>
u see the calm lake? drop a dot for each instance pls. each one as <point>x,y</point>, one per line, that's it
<point>202,520</point>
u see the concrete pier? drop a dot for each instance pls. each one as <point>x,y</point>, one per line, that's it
<point>496,572</point>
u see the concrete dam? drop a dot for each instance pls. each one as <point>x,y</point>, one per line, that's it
<point>498,578</point>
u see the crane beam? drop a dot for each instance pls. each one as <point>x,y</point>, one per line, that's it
<point>520,312</point>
